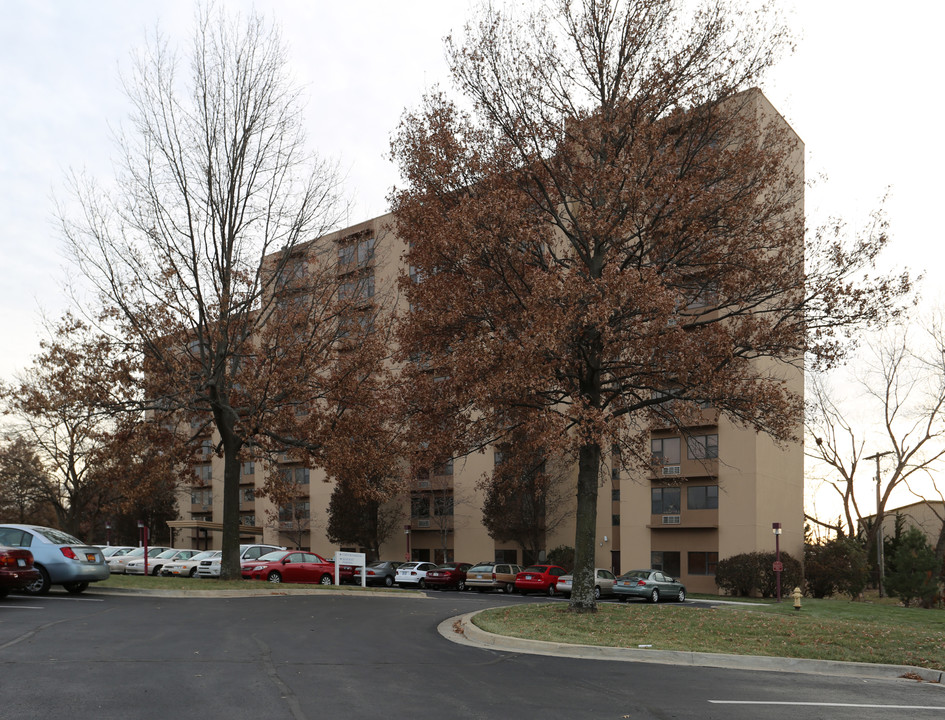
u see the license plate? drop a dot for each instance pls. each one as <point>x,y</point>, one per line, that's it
<point>528,577</point>
<point>21,562</point>
<point>90,557</point>
<point>479,577</point>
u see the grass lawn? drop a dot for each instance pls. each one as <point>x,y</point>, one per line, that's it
<point>822,629</point>
<point>146,582</point>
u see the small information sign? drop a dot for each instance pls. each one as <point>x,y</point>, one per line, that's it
<point>350,558</point>
<point>778,566</point>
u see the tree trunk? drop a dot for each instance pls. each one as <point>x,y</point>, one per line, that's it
<point>585,533</point>
<point>230,561</point>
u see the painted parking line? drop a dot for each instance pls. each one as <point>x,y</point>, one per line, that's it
<point>45,598</point>
<point>939,708</point>
<point>7,606</point>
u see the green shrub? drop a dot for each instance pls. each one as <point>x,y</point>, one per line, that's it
<point>752,574</point>
<point>833,566</point>
<point>562,555</point>
<point>913,570</point>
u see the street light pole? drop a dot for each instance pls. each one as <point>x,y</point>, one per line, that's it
<point>880,560</point>
<point>778,567</point>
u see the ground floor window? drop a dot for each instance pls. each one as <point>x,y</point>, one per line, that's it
<point>668,562</point>
<point>703,563</point>
<point>420,554</point>
<point>506,555</point>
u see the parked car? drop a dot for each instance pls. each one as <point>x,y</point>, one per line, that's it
<point>413,574</point>
<point>649,584</point>
<point>492,576</point>
<point>60,558</point>
<point>539,578</point>
<point>187,568</point>
<point>448,575</point>
<point>155,563</point>
<point>115,550</point>
<point>381,572</point>
<point>292,567</point>
<point>118,563</point>
<point>16,570</point>
<point>211,566</point>
<point>603,583</point>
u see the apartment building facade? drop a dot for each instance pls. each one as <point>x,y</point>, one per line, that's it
<point>713,490</point>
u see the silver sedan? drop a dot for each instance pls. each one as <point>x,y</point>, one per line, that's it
<point>603,583</point>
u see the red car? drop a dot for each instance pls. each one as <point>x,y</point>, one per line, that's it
<point>539,578</point>
<point>448,575</point>
<point>16,570</point>
<point>290,566</point>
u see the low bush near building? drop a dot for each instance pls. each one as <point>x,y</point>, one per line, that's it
<point>752,574</point>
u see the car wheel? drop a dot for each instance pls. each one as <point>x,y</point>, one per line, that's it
<point>551,590</point>
<point>325,580</point>
<point>389,581</point>
<point>193,572</point>
<point>655,596</point>
<point>509,588</point>
<point>461,585</point>
<point>274,577</point>
<point>597,593</point>
<point>422,584</point>
<point>41,586</point>
<point>75,588</point>
<point>682,596</point>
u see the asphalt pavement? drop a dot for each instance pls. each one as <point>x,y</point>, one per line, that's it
<point>347,654</point>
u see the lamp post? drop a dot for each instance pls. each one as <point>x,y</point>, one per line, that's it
<point>143,530</point>
<point>108,533</point>
<point>407,533</point>
<point>778,567</point>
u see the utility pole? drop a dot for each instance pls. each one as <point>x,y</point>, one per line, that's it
<point>880,560</point>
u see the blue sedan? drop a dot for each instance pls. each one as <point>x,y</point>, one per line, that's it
<point>60,558</point>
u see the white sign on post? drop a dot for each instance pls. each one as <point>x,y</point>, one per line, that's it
<point>349,558</point>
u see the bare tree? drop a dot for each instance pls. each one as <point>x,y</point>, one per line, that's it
<point>196,248</point>
<point>23,484</point>
<point>905,386</point>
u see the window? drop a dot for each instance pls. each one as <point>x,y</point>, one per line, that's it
<point>248,520</point>
<point>420,506</point>
<point>665,450</point>
<point>506,556</point>
<point>357,288</point>
<point>615,520</point>
<point>204,472</point>
<point>702,497</point>
<point>615,495</point>
<point>291,511</point>
<point>703,563</point>
<point>206,448</point>
<point>443,506</point>
<point>667,562</point>
<point>299,475</point>
<point>702,447</point>
<point>249,468</point>
<point>665,501</point>
<point>365,251</point>
<point>362,251</point>
<point>291,273</point>
<point>248,495</point>
<point>498,457</point>
<point>201,496</point>
<point>444,468</point>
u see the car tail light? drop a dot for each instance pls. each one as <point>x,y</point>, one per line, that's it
<point>641,582</point>
<point>493,576</point>
<point>370,572</point>
<point>67,551</point>
<point>8,560</point>
<point>413,572</point>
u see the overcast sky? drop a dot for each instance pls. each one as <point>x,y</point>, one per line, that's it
<point>863,91</point>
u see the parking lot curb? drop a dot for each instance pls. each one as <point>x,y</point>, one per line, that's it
<point>252,592</point>
<point>461,629</point>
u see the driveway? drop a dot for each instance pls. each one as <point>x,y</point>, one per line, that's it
<point>347,656</point>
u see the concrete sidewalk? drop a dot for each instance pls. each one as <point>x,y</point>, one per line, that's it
<point>460,629</point>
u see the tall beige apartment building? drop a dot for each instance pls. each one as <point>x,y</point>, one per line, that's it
<point>713,491</point>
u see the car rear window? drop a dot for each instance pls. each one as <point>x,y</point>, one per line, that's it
<point>58,537</point>
<point>481,568</point>
<point>536,568</point>
<point>14,537</point>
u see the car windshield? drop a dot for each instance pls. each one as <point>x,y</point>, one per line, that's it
<point>154,552</point>
<point>270,556</point>
<point>137,552</point>
<point>446,566</point>
<point>112,551</point>
<point>408,566</point>
<point>204,555</point>
<point>168,554</point>
<point>58,537</point>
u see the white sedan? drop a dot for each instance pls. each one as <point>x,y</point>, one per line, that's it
<point>413,574</point>
<point>603,583</point>
<point>155,563</point>
<point>188,568</point>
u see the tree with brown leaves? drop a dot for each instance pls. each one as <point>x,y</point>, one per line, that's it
<point>608,229</point>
